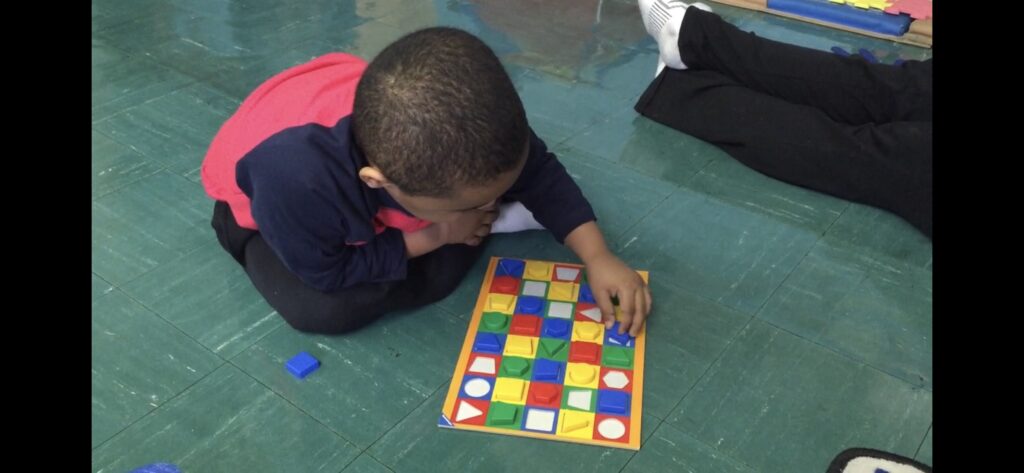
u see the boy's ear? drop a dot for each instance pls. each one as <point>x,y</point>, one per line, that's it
<point>373,177</point>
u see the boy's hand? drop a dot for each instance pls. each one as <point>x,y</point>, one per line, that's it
<point>608,277</point>
<point>423,241</point>
<point>490,215</point>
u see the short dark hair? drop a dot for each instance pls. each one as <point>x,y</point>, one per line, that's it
<point>436,109</point>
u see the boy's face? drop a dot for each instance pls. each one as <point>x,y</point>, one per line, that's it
<point>446,209</point>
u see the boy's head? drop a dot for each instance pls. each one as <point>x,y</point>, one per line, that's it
<point>440,123</point>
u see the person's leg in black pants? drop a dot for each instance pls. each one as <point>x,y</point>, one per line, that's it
<point>848,89</point>
<point>836,125</point>
<point>429,278</point>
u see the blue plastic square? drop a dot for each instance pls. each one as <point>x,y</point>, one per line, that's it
<point>157,468</point>
<point>479,387</point>
<point>586,295</point>
<point>613,338</point>
<point>548,371</point>
<point>612,402</point>
<point>530,305</point>
<point>557,328</point>
<point>487,342</point>
<point>302,364</point>
<point>550,414</point>
<point>510,267</point>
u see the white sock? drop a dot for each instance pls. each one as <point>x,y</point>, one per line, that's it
<point>513,217</point>
<point>662,18</point>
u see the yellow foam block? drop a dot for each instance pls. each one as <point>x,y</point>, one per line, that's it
<point>538,270</point>
<point>591,332</point>
<point>511,390</point>
<point>563,291</point>
<point>581,375</point>
<point>576,424</point>
<point>503,303</point>
<point>522,346</point>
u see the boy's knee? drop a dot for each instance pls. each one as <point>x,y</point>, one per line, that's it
<point>327,320</point>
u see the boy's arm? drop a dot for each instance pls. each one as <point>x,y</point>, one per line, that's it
<point>317,252</point>
<point>546,189</point>
<point>424,241</point>
<point>557,203</point>
<point>307,225</point>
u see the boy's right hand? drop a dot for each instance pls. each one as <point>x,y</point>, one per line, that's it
<point>469,227</point>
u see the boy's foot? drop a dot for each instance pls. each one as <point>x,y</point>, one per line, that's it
<point>513,217</point>
<point>662,18</point>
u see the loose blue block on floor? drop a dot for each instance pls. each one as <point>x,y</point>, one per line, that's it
<point>302,364</point>
<point>157,468</point>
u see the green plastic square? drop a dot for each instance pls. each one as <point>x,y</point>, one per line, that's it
<point>494,322</point>
<point>515,367</point>
<point>505,416</point>
<point>554,349</point>
<point>617,357</point>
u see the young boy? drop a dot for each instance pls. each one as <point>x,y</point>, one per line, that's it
<point>347,191</point>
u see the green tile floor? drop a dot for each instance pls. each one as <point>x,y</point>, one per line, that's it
<point>788,326</point>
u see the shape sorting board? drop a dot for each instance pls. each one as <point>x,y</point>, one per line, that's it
<point>537,361</point>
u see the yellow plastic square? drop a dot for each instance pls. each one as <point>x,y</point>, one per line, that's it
<point>538,270</point>
<point>563,291</point>
<point>590,332</point>
<point>582,375</point>
<point>521,346</point>
<point>502,303</point>
<point>511,390</point>
<point>576,424</point>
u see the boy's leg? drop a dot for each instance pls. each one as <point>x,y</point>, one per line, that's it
<point>435,275</point>
<point>303,307</point>
<point>429,278</point>
<point>230,236</point>
<point>848,89</point>
<point>307,309</point>
<point>887,166</point>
